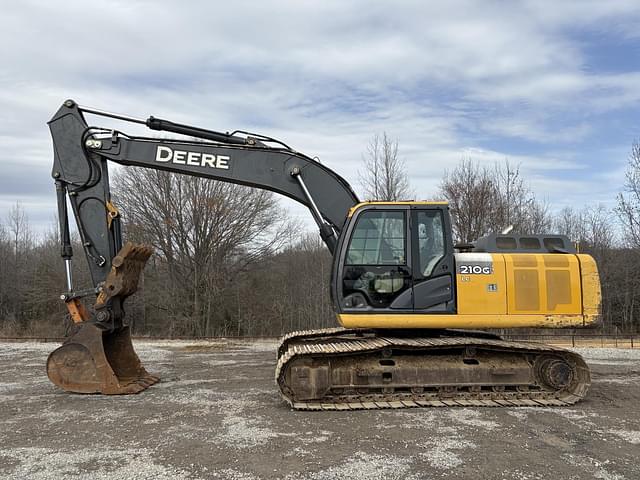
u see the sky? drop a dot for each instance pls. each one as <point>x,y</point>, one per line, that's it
<point>551,86</point>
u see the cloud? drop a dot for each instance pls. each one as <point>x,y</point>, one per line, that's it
<point>490,81</point>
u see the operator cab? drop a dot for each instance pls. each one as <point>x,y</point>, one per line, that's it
<point>396,257</point>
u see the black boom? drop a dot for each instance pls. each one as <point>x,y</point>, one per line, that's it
<point>80,171</point>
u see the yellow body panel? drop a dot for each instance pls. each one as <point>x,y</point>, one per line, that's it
<point>545,283</point>
<point>483,293</point>
<point>423,320</point>
<point>591,294</point>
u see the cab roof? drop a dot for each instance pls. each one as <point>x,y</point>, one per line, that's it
<point>404,202</point>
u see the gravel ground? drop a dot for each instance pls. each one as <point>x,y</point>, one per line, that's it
<point>217,415</point>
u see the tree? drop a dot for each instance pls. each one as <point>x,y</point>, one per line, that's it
<point>591,228</point>
<point>205,232</point>
<point>628,208</point>
<point>21,235</point>
<point>472,195</point>
<point>484,200</point>
<point>384,176</point>
<point>570,222</point>
<point>5,284</point>
<point>19,240</point>
<point>627,288</point>
<point>517,205</point>
<point>296,295</point>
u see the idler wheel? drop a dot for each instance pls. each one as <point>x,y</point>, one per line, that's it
<point>555,372</point>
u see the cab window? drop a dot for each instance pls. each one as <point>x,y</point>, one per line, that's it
<point>430,240</point>
<point>378,239</point>
<point>376,272</point>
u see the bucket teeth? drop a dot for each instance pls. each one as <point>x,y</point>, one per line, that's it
<point>93,361</point>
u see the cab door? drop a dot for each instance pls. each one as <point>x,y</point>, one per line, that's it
<point>433,261</point>
<point>375,267</point>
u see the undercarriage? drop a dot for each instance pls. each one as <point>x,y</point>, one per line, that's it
<point>341,369</point>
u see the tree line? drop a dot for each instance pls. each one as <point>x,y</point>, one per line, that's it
<point>229,262</point>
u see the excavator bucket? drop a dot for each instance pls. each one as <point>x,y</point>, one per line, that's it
<point>95,360</point>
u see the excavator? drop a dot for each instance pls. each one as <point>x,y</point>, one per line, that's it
<point>416,310</point>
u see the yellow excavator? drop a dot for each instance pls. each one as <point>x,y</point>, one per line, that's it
<point>411,304</point>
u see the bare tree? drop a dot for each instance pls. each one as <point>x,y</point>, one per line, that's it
<point>626,294</point>
<point>517,206</point>
<point>204,232</point>
<point>21,235</point>
<point>592,229</point>
<point>472,196</point>
<point>484,200</point>
<point>384,176</point>
<point>17,243</point>
<point>629,201</point>
<point>288,290</point>
<point>537,219</point>
<point>570,222</point>
<point>5,286</point>
<point>598,228</point>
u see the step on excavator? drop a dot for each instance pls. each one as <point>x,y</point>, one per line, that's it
<point>413,307</point>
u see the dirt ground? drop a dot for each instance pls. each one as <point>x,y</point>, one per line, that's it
<point>217,414</point>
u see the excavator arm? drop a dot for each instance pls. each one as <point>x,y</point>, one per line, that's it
<point>102,345</point>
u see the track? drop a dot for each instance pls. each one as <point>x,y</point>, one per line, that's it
<point>340,369</point>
